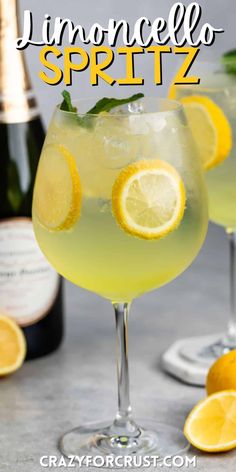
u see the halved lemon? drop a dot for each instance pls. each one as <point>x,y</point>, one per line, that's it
<point>148,199</point>
<point>57,195</point>
<point>211,425</point>
<point>12,346</point>
<point>210,128</point>
<point>222,374</point>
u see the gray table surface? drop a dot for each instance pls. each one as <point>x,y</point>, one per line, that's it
<point>78,383</point>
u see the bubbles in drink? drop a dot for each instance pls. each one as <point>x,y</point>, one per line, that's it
<point>117,151</point>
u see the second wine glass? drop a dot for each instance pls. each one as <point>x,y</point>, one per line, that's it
<point>215,100</point>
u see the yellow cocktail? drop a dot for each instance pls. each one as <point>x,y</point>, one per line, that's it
<point>96,253</point>
<point>211,110</point>
<point>221,179</point>
<point>120,209</point>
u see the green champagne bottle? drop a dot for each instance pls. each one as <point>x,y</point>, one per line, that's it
<point>30,289</point>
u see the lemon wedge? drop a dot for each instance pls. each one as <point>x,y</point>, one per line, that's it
<point>12,346</point>
<point>57,195</point>
<point>148,199</point>
<point>210,128</point>
<point>211,425</point>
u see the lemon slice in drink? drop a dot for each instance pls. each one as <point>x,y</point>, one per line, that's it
<point>12,346</point>
<point>211,425</point>
<point>211,129</point>
<point>148,199</point>
<point>57,195</point>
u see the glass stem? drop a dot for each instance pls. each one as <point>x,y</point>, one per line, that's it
<point>231,334</point>
<point>123,425</point>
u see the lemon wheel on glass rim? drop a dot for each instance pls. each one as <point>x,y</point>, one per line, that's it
<point>210,128</point>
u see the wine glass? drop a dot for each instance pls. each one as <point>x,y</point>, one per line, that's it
<point>120,208</point>
<point>218,86</point>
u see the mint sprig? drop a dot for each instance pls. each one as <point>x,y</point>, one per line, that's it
<point>103,105</point>
<point>66,105</point>
<point>229,61</point>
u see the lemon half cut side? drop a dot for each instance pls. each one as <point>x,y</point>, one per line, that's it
<point>12,346</point>
<point>211,425</point>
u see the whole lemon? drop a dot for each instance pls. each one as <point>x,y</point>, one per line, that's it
<point>222,374</point>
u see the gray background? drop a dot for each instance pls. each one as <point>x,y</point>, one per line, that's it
<point>78,383</point>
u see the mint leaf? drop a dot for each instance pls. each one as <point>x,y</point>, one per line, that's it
<point>85,121</point>
<point>107,104</point>
<point>103,105</point>
<point>229,61</point>
<point>66,104</point>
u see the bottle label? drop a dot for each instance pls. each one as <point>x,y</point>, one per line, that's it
<point>18,107</point>
<point>28,284</point>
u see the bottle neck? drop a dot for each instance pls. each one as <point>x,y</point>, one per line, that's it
<point>17,103</point>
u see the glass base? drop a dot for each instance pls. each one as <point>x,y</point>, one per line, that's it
<point>206,349</point>
<point>99,439</point>
<point>220,347</point>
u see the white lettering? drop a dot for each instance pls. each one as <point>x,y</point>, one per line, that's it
<point>110,461</point>
<point>138,32</point>
<point>52,462</point>
<point>79,459</point>
<point>62,462</point>
<point>114,28</point>
<point>159,25</point>
<point>176,19</point>
<point>167,461</point>
<point>42,461</point>
<point>181,21</point>
<point>192,18</point>
<point>119,461</point>
<point>89,460</point>
<point>46,30</point>
<point>191,461</point>
<point>71,462</point>
<point>23,42</point>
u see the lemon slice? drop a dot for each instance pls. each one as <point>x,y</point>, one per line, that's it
<point>211,425</point>
<point>57,195</point>
<point>12,346</point>
<point>148,199</point>
<point>210,128</point>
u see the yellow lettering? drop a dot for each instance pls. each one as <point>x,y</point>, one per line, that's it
<point>49,65</point>
<point>70,66</point>
<point>130,78</point>
<point>181,76</point>
<point>158,51</point>
<point>97,69</point>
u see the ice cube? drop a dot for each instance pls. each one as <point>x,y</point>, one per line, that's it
<point>135,107</point>
<point>117,151</point>
<point>118,111</point>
